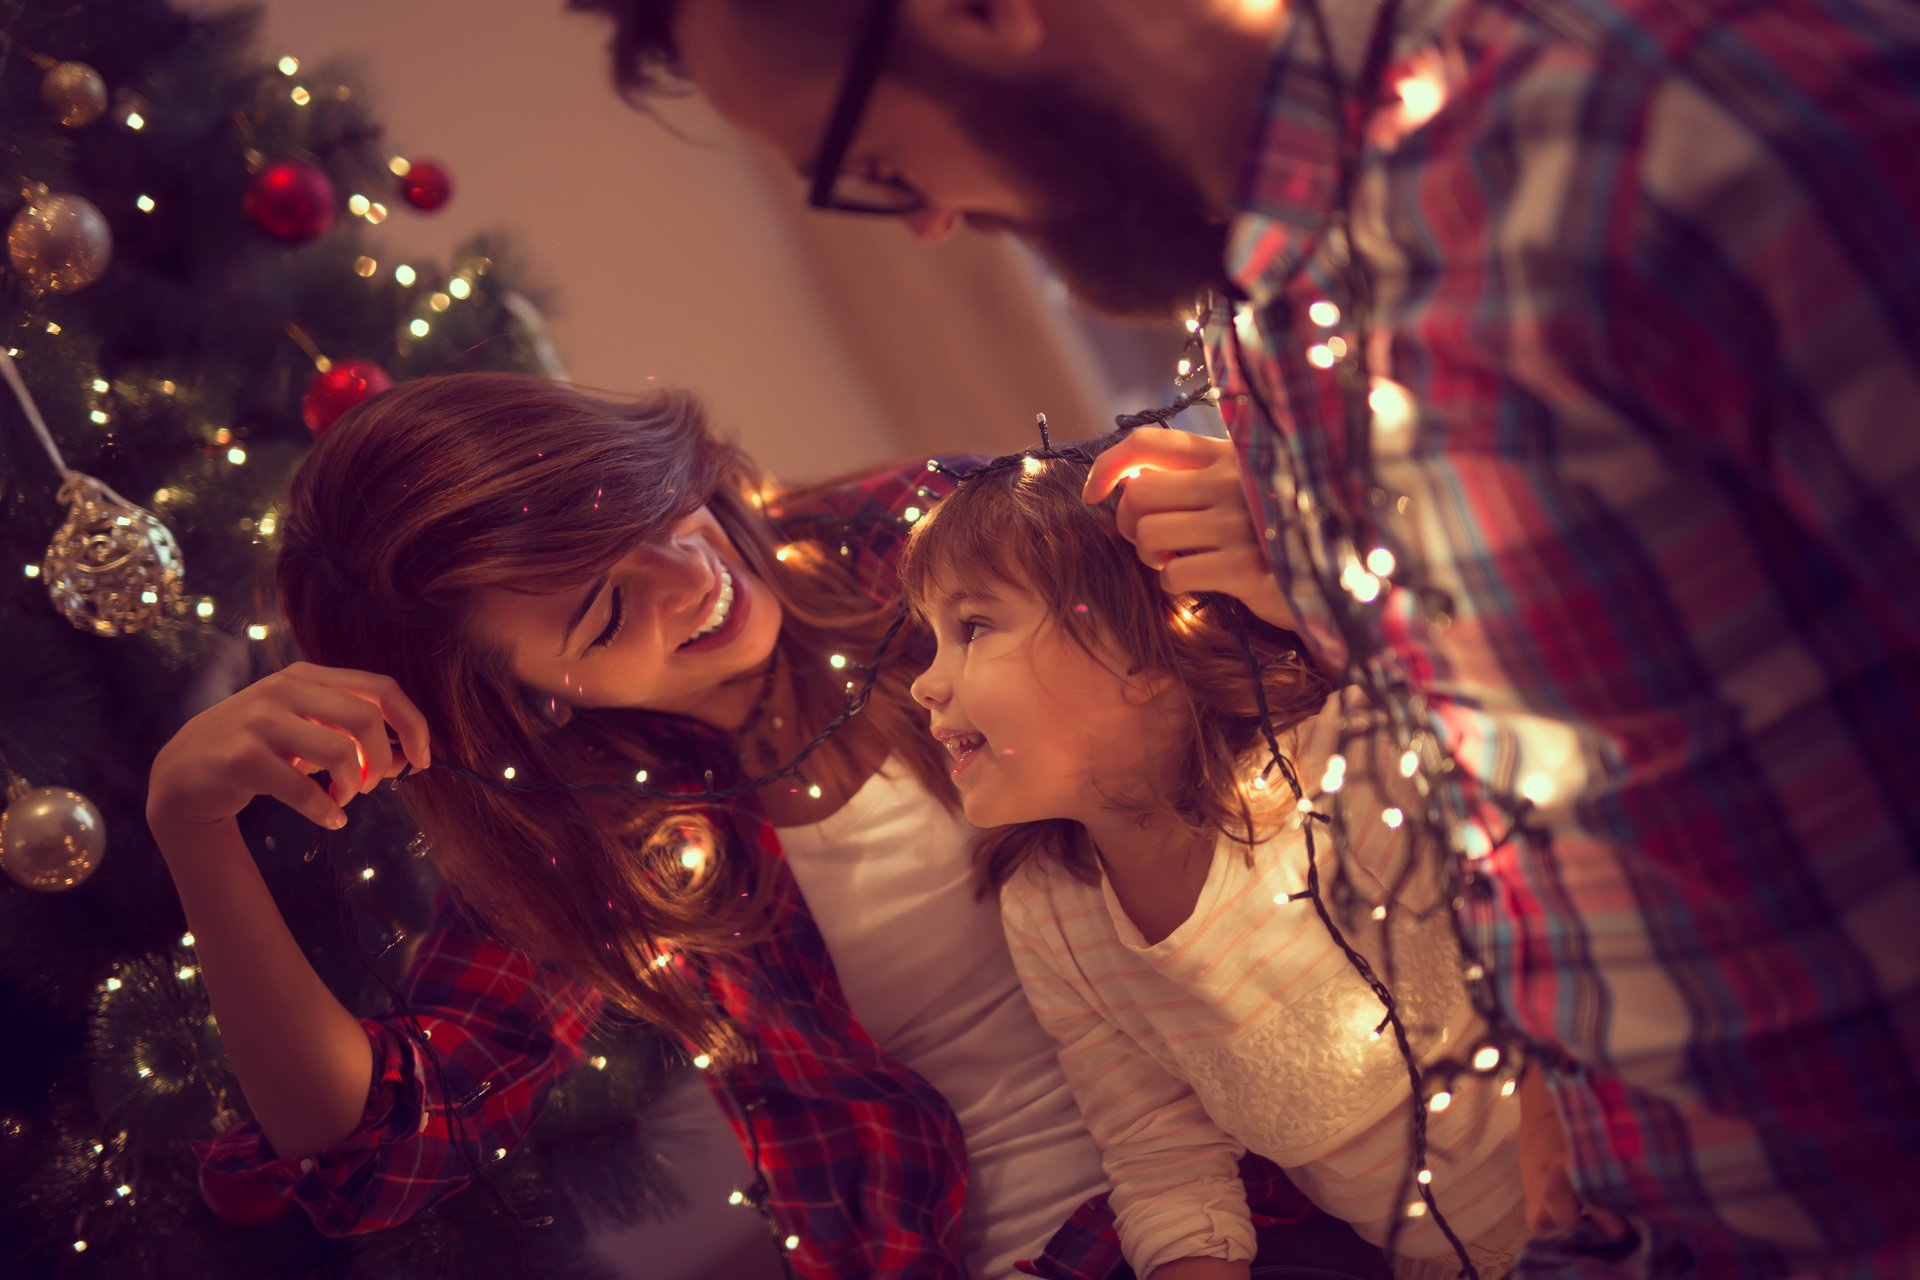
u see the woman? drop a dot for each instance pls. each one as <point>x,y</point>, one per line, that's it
<point>549,590</point>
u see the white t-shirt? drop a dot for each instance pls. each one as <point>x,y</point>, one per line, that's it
<point>923,961</point>
<point>1247,1028</point>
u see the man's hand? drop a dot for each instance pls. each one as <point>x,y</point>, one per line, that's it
<point>1544,1158</point>
<point>1186,514</point>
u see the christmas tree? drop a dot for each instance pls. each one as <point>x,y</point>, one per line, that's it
<point>195,287</point>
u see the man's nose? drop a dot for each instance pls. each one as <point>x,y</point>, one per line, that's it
<point>933,224</point>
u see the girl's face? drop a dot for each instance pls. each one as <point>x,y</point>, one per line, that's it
<point>664,629</point>
<point>1038,727</point>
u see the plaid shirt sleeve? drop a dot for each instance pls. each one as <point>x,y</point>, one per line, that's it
<point>1646,348</point>
<point>500,1031</point>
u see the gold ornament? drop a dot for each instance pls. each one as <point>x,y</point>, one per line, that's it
<point>112,568</point>
<point>51,839</point>
<point>59,243</point>
<point>74,93</point>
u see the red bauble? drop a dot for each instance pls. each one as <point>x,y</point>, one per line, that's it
<point>426,185</point>
<point>243,1200</point>
<point>339,389</point>
<point>291,200</point>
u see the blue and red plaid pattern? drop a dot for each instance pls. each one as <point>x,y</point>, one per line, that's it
<point>1645,335</point>
<point>864,1161</point>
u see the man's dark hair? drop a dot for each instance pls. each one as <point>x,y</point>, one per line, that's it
<point>645,61</point>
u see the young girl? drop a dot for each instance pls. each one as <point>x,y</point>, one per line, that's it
<point>518,576</point>
<point>1108,730</point>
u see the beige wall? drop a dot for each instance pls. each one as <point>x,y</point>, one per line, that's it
<point>824,347</point>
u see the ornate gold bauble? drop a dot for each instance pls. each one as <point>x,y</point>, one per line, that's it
<point>74,94</point>
<point>59,243</point>
<point>112,568</point>
<point>51,839</point>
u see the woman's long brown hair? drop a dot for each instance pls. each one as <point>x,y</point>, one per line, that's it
<point>1027,527</point>
<point>411,503</point>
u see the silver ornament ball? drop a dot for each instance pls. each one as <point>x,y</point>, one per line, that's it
<point>74,94</point>
<point>51,839</point>
<point>59,243</point>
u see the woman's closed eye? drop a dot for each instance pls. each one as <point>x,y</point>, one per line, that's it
<point>616,619</point>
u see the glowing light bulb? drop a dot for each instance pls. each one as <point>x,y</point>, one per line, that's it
<point>814,791</point>
<point>1409,763</point>
<point>135,121</point>
<point>300,96</point>
<point>1320,356</point>
<point>1324,314</point>
<point>1486,1058</point>
<point>357,205</point>
<point>289,66</point>
<point>702,1060</point>
<point>257,631</point>
<point>1380,561</point>
<point>418,328</point>
<point>838,662</point>
<point>366,873</point>
<point>236,455</point>
<point>404,274</point>
<point>737,1197</point>
<point>1426,1177</point>
<point>1032,466</point>
<point>1417,1210</point>
<point>1393,818</point>
<point>186,973</point>
<point>460,287</point>
<point>1507,1087</point>
<point>792,1243</point>
<point>143,203</point>
<point>598,1062</point>
<point>640,776</point>
<point>1440,1101</point>
<point>113,984</point>
<point>1421,97</point>
<point>508,773</point>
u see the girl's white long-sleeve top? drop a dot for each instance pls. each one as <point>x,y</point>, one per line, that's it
<point>1247,1028</point>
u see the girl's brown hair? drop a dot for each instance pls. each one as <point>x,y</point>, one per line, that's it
<point>1026,526</point>
<point>412,502</point>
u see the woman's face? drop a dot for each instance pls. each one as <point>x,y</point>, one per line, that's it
<point>666,628</point>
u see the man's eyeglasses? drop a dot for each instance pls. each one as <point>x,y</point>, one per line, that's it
<point>852,192</point>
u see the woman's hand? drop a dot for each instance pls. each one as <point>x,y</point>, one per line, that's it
<point>1186,514</point>
<point>267,738</point>
<point>1544,1159</point>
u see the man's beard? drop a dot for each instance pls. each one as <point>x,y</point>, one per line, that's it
<point>1122,223</point>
